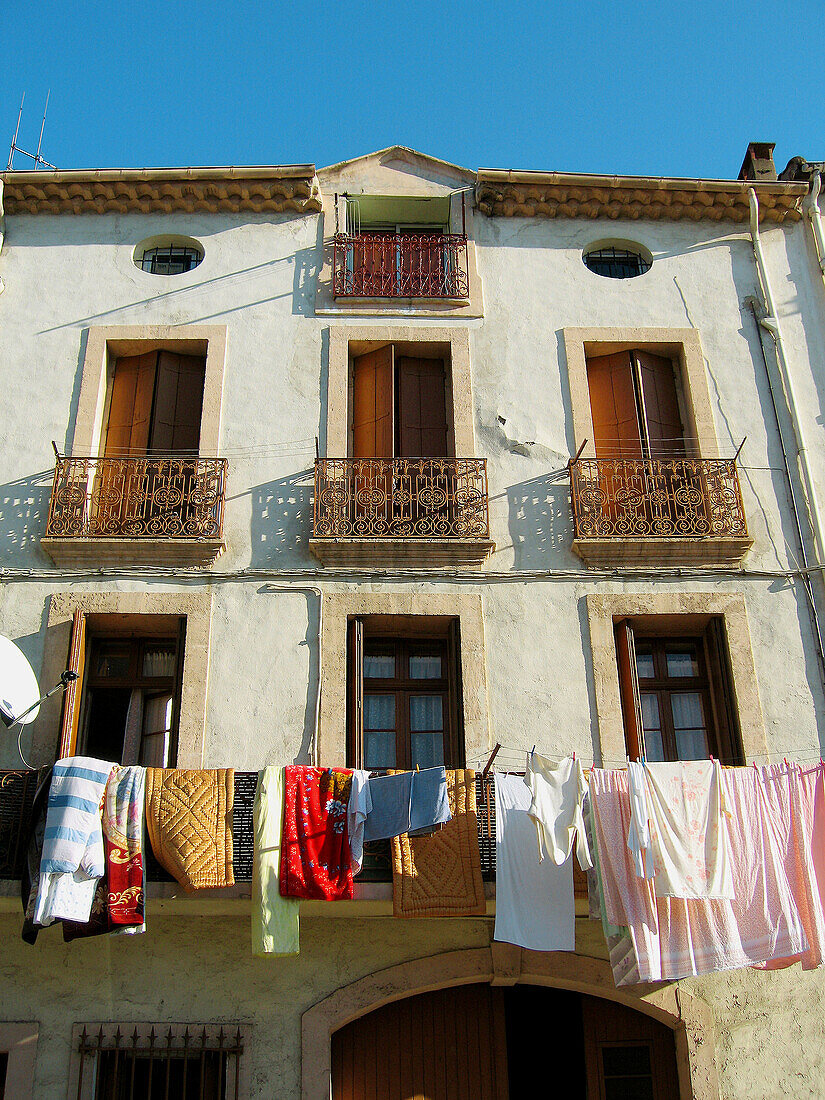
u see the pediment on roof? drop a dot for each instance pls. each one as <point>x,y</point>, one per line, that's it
<point>395,171</point>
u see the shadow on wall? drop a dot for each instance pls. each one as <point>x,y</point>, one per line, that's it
<point>282,520</point>
<point>24,509</point>
<point>540,519</point>
<point>305,277</point>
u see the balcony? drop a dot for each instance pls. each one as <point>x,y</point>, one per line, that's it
<point>400,265</point>
<point>673,510</point>
<point>401,510</point>
<point>164,510</point>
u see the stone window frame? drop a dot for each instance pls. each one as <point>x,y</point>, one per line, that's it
<point>682,345</point>
<point>676,611</point>
<point>346,341</point>
<point>339,608</point>
<point>196,608</point>
<point>105,343</point>
<point>19,1041</point>
<point>143,1029</point>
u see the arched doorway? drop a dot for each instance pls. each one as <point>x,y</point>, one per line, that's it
<point>483,1042</point>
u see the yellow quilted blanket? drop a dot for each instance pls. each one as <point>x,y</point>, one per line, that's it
<point>440,875</point>
<point>189,820</point>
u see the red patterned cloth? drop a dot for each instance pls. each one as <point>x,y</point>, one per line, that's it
<point>315,855</point>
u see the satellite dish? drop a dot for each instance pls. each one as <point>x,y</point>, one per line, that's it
<point>19,690</point>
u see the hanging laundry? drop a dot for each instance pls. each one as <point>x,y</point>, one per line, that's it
<point>358,809</point>
<point>620,952</point>
<point>440,875</point>
<point>429,803</point>
<point>535,907</point>
<point>275,919</point>
<point>390,797</point>
<point>681,937</point>
<point>30,878</point>
<point>189,820</point>
<point>678,828</point>
<point>73,858</point>
<point>119,902</point>
<point>315,853</point>
<point>557,792</point>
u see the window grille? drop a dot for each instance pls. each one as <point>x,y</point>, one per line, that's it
<point>169,259</point>
<point>185,1062</point>
<point>616,263</point>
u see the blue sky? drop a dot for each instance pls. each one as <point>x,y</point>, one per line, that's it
<point>648,88</point>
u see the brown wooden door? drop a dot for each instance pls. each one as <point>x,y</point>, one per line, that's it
<point>662,421</point>
<point>613,407</point>
<point>627,1053</point>
<point>176,416</point>
<point>422,263</point>
<point>446,1045</point>
<point>422,408</point>
<point>373,400</point>
<point>130,406</point>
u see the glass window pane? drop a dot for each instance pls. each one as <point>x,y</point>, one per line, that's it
<point>644,664</point>
<point>379,666</point>
<point>112,662</point>
<point>628,1088</point>
<point>689,725</point>
<point>159,661</point>
<point>625,1061</point>
<point>682,662</point>
<point>379,750</point>
<point>425,667</point>
<point>652,726</point>
<point>379,712</point>
<point>426,712</point>
<point>427,749</point>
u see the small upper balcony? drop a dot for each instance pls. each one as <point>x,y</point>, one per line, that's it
<point>410,263</point>
<point>432,509</point>
<point>153,509</point>
<point>674,509</point>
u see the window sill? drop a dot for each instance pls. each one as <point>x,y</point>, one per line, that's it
<point>675,551</point>
<point>399,551</point>
<point>125,551</point>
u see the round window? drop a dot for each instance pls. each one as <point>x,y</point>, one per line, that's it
<point>617,259</point>
<point>168,255</point>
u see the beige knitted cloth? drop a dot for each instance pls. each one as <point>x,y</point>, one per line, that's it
<point>189,820</point>
<point>440,875</point>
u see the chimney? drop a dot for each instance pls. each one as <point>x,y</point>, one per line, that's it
<point>758,163</point>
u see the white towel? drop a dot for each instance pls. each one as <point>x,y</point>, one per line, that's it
<point>73,857</point>
<point>360,804</point>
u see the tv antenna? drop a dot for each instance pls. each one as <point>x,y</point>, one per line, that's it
<point>15,148</point>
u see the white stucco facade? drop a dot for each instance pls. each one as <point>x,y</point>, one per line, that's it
<point>65,274</point>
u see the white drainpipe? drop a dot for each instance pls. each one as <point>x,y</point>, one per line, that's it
<point>2,230</point>
<point>811,206</point>
<point>771,325</point>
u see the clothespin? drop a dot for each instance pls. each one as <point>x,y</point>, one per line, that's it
<point>417,768</point>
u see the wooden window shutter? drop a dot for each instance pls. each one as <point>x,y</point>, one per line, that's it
<point>629,689</point>
<point>373,403</point>
<point>355,693</point>
<point>180,652</point>
<point>613,409</point>
<point>130,406</point>
<point>456,738</point>
<point>663,422</point>
<point>176,419</point>
<point>723,697</point>
<point>422,408</point>
<point>72,697</point>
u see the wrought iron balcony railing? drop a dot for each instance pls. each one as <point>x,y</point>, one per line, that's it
<point>676,498</point>
<point>401,498</point>
<point>156,497</point>
<point>400,265</point>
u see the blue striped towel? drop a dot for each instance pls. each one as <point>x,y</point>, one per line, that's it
<point>73,820</point>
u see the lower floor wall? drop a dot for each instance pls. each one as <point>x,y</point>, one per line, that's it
<point>743,1034</point>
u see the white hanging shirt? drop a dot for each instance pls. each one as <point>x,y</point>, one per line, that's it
<point>557,792</point>
<point>360,804</point>
<point>679,830</point>
<point>534,901</point>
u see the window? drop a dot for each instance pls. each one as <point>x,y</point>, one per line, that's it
<point>635,406</point>
<point>117,1062</point>
<point>168,255</point>
<point>125,705</point>
<point>399,404</point>
<point>617,263</point>
<point>154,404</point>
<point>404,694</point>
<point>676,694</point>
<point>18,1051</point>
